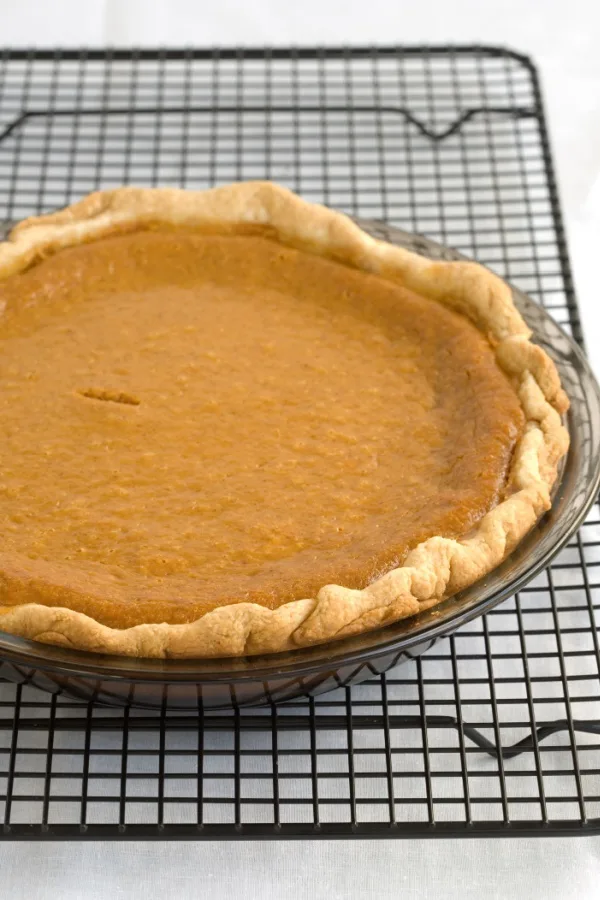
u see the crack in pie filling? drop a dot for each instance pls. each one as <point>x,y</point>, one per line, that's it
<point>234,423</point>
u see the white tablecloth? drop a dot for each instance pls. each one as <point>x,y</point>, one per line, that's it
<point>552,869</point>
<point>562,37</point>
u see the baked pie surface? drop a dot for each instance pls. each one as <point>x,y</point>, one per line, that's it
<point>235,423</point>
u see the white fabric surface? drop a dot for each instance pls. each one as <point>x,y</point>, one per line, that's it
<point>550,869</point>
<point>562,37</point>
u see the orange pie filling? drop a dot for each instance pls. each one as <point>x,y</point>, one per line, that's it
<point>194,420</point>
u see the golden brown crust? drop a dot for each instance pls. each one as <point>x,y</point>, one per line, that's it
<point>436,568</point>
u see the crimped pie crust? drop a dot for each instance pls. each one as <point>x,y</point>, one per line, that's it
<point>436,568</point>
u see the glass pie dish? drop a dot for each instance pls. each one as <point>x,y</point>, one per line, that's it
<point>257,680</point>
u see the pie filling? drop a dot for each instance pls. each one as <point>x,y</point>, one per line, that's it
<point>193,420</point>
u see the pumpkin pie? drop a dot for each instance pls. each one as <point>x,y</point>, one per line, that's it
<point>234,423</point>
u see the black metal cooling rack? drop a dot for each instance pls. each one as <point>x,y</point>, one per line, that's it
<point>495,730</point>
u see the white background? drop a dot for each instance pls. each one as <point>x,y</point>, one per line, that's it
<point>563,36</point>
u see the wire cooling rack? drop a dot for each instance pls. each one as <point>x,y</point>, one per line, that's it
<point>450,142</point>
